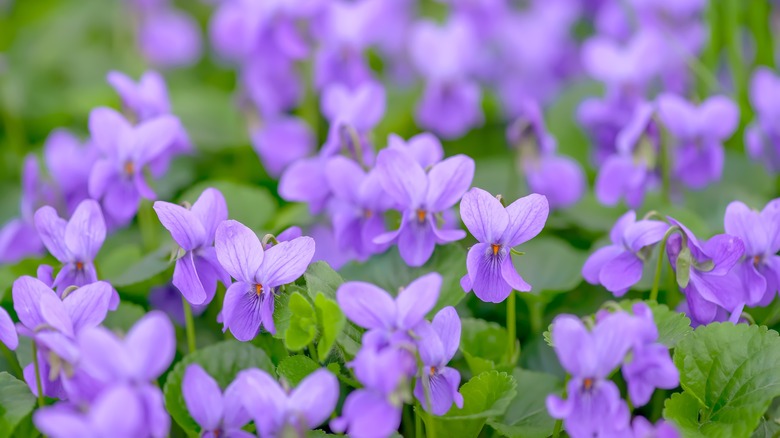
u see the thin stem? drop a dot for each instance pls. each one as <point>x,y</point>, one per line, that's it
<point>189,324</point>
<point>511,325</point>
<point>38,384</point>
<point>557,428</point>
<point>659,264</point>
<point>146,225</point>
<point>313,352</point>
<point>418,428</point>
<point>13,362</point>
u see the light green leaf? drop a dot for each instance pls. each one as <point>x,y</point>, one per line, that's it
<point>550,264</point>
<point>729,375</point>
<point>296,368</point>
<point>527,415</point>
<point>253,206</point>
<point>303,323</point>
<point>485,396</point>
<point>222,361</point>
<point>16,402</point>
<point>320,277</point>
<point>124,317</point>
<point>483,345</point>
<point>331,321</point>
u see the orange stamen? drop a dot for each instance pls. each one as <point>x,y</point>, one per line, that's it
<point>258,289</point>
<point>129,168</point>
<point>588,383</point>
<point>496,248</point>
<point>433,370</point>
<point>79,266</point>
<point>421,215</point>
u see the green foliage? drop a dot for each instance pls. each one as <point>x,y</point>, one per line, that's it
<point>331,321</point>
<point>729,377</point>
<point>124,317</point>
<point>138,270</point>
<point>550,264</point>
<point>672,326</point>
<point>222,361</point>
<point>526,416</point>
<point>303,323</point>
<point>296,368</point>
<point>16,402</point>
<point>483,345</point>
<point>251,205</point>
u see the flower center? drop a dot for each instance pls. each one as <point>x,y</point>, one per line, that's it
<point>258,289</point>
<point>756,260</point>
<point>79,266</point>
<point>367,214</point>
<point>432,371</point>
<point>496,248</point>
<point>587,384</point>
<point>129,168</point>
<point>421,215</point>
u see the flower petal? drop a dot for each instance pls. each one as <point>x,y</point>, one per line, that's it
<point>264,399</point>
<point>211,210</point>
<point>285,262</point>
<point>27,292</point>
<point>153,137</point>
<point>512,277</point>
<point>366,305</point>
<point>621,273</point>
<point>483,215</point>
<point>8,335</point>
<point>186,279</point>
<point>527,217</point>
<point>416,300</point>
<point>151,344</point>
<point>416,242</point>
<point>241,311</point>
<point>202,397</point>
<point>51,229</point>
<point>239,250</point>
<point>402,177</point>
<point>86,231</point>
<point>447,325</point>
<point>88,305</point>
<point>448,181</point>
<point>184,226</point>
<point>315,397</point>
<point>485,272</point>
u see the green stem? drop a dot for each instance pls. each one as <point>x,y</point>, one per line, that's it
<point>659,264</point>
<point>557,428</point>
<point>146,225</point>
<point>666,168</point>
<point>418,428</point>
<point>313,352</point>
<point>536,309</point>
<point>760,11</point>
<point>189,325</point>
<point>511,325</point>
<point>13,362</point>
<point>38,384</point>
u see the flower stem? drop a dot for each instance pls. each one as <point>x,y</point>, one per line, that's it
<point>511,325</point>
<point>146,225</point>
<point>659,264</point>
<point>38,384</point>
<point>313,352</point>
<point>418,428</point>
<point>557,428</point>
<point>189,324</point>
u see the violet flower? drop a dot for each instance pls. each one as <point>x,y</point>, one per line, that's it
<point>642,428</point>
<point>346,31</point>
<point>249,302</point>
<point>626,70</point>
<point>18,238</point>
<point>147,98</point>
<point>117,179</point>
<point>425,148</point>
<point>278,412</point>
<point>167,298</point>
<point>218,414</point>
<point>75,243</point>
<point>762,138</point>
<point>712,283</point>
<point>619,266</point>
<point>593,403</point>
<point>422,197</point>
<point>197,271</point>
<point>491,274</point>
<point>437,387</point>
<point>603,119</point>
<point>759,270</point>
<point>169,38</point>
<point>281,141</point>
<point>69,163</point>
<point>8,335</point>
<point>699,133</point>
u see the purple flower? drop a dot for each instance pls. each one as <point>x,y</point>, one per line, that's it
<point>167,298</point>
<point>450,109</point>
<point>278,412</point>
<point>645,429</point>
<point>197,271</point>
<point>712,283</point>
<point>699,134</point>
<point>560,179</point>
<point>249,302</point>
<point>117,179</point>
<point>169,38</point>
<point>216,413</point>
<point>437,387</point>
<point>8,335</point>
<point>422,197</point>
<point>762,138</point>
<point>282,141</point>
<point>759,270</point>
<point>593,405</point>
<point>626,70</point>
<point>619,266</point>
<point>491,274</point>
<point>147,99</point>
<point>345,32</point>
<point>603,119</point>
<point>75,243</point>
<point>635,168</point>
<point>425,148</point>
<point>69,163</point>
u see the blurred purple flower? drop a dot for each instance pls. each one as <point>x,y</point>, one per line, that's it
<point>167,298</point>
<point>69,163</point>
<point>759,270</point>
<point>619,266</point>
<point>491,274</point>
<point>425,148</point>
<point>699,134</point>
<point>422,197</point>
<point>18,238</point>
<point>762,138</point>
<point>169,38</point>
<point>277,412</point>
<point>216,413</point>
<point>437,344</point>
<point>249,302</point>
<point>642,428</point>
<point>282,141</point>
<point>197,271</point>
<point>117,179</point>
<point>603,119</point>
<point>627,69</point>
<point>8,335</point>
<point>346,31</point>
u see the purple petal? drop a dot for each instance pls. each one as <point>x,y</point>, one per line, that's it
<point>425,148</point>
<point>512,277</point>
<point>678,116</point>
<point>87,306</point>
<point>235,415</point>
<point>483,215</point>
<point>315,397</point>
<point>86,231</point>
<point>285,262</point>
<point>447,325</point>
<point>596,262</point>
<point>120,202</point>
<point>305,181</point>
<point>51,229</point>
<point>103,356</point>
<point>185,227</point>
<point>611,342</point>
<point>747,224</point>
<point>202,397</point>
<point>613,180</point>
<point>718,117</point>
<point>527,217</point>
<point>28,293</point>
<point>62,421</point>
<point>402,177</point>
<point>644,233</point>
<point>239,250</point>
<point>264,399</point>
<point>416,300</point>
<point>448,181</point>
<point>485,272</point>
<point>211,210</point>
<point>367,414</point>
<point>117,412</point>
<point>366,305</point>
<point>429,346</point>
<point>416,242</point>
<point>267,313</point>
<point>621,225</point>
<point>153,137</point>
<point>573,345</point>
<point>560,179</point>
<point>19,239</point>
<point>106,125</point>
<point>241,311</point>
<point>725,251</point>
<point>102,175</point>
<point>443,391</point>
<point>621,273</point>
<point>186,279</point>
<point>291,132</point>
<point>151,344</point>
<point>8,334</point>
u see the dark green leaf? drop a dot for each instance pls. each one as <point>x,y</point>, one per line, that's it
<point>143,269</point>
<point>527,415</point>
<point>16,402</point>
<point>550,264</point>
<point>296,368</point>
<point>483,345</point>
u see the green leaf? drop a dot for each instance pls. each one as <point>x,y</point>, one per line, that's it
<point>124,317</point>
<point>16,402</point>
<point>672,326</point>
<point>320,277</point>
<point>729,374</point>
<point>303,323</point>
<point>253,206</point>
<point>550,264</point>
<point>483,345</point>
<point>527,415</point>
<point>222,361</point>
<point>389,272</point>
<point>682,409</point>
<point>143,269</point>
<point>683,267</point>
<point>331,321</point>
<point>485,396</point>
<point>296,368</point>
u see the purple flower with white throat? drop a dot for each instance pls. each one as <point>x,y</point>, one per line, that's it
<point>278,412</point>
<point>197,270</point>
<point>117,180</point>
<point>491,274</point>
<point>422,197</point>
<point>75,243</point>
<point>699,133</point>
<point>437,386</point>
<point>249,302</point>
<point>759,270</point>
<point>619,266</point>
<point>218,414</point>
